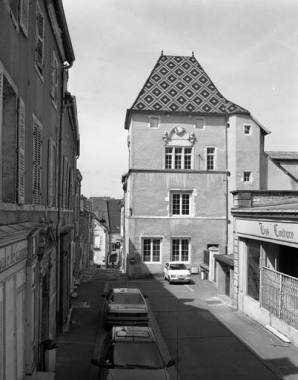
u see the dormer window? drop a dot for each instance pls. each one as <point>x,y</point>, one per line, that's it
<point>199,123</point>
<point>153,122</point>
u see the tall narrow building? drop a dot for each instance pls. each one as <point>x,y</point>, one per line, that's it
<point>188,148</point>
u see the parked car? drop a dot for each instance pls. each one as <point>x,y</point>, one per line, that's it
<point>131,352</point>
<point>124,306</point>
<point>176,272</point>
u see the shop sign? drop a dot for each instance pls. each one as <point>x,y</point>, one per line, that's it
<point>12,254</point>
<point>268,230</point>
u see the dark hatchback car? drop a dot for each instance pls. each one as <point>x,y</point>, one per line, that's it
<point>125,306</point>
<point>131,353</point>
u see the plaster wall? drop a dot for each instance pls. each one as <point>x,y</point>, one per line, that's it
<point>147,145</point>
<point>201,232</point>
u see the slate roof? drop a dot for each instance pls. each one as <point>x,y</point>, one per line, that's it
<point>180,84</point>
<point>282,155</point>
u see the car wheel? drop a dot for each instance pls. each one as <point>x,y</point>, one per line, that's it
<point>170,282</point>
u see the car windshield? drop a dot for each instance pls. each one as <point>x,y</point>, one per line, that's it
<point>177,266</point>
<point>135,355</point>
<point>124,298</point>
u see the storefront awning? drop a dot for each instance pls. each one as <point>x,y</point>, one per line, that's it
<point>227,259</point>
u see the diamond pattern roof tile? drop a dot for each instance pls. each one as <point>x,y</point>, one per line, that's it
<point>179,84</point>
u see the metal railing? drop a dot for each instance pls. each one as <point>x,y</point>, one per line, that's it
<point>279,295</point>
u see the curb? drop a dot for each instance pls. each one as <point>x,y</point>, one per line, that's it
<point>265,361</point>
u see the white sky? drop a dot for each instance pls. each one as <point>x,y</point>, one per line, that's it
<point>248,48</point>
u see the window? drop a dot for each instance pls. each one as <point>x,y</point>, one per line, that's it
<point>180,204</point>
<point>253,269</point>
<point>151,250</point>
<point>54,80</point>
<point>14,11</point>
<point>247,176</point>
<point>40,35</point>
<point>247,129</point>
<point>21,153</point>
<point>12,142</point>
<point>178,158</point>
<point>37,155</point>
<point>153,122</point>
<point>180,250</point>
<point>210,160</point>
<point>52,174</point>
<point>24,16</point>
<point>199,123</point>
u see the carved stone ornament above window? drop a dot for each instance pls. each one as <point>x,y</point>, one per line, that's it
<point>179,136</point>
<point>180,131</point>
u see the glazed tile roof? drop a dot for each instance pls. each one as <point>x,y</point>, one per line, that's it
<point>179,84</point>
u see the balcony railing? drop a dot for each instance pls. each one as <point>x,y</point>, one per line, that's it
<point>279,295</point>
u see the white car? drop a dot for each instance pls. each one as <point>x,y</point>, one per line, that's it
<point>176,272</point>
<point>125,306</point>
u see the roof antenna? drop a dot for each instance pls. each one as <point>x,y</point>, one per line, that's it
<point>162,52</point>
<point>192,54</point>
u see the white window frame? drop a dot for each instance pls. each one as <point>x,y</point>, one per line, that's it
<point>24,16</point>
<point>181,193</point>
<point>249,173</point>
<point>173,154</point>
<point>181,238</point>
<point>152,122</point>
<point>214,155</point>
<point>199,124</point>
<point>151,261</point>
<point>245,131</point>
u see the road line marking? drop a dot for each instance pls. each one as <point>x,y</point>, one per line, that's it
<point>188,287</point>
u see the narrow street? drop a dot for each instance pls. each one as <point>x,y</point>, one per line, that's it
<point>187,319</point>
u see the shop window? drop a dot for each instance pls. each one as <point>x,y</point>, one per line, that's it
<point>253,269</point>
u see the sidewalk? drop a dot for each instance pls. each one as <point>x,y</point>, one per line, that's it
<point>77,346</point>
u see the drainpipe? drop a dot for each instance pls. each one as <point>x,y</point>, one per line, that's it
<point>227,184</point>
<point>60,189</point>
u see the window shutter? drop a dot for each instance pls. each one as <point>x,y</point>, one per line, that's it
<point>54,79</point>
<point>65,171</point>
<point>1,96</point>
<point>50,173</point>
<point>24,16</point>
<point>37,146</point>
<point>40,38</point>
<point>21,153</point>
